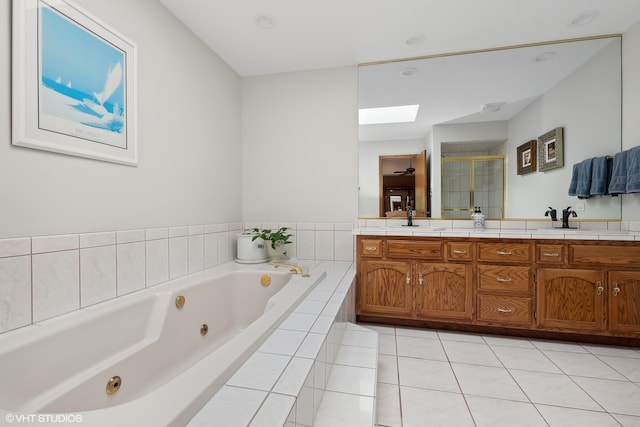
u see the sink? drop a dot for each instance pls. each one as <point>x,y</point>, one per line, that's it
<point>576,231</point>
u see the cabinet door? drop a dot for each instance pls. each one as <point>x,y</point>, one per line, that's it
<point>624,302</point>
<point>443,291</point>
<point>571,298</point>
<point>385,288</point>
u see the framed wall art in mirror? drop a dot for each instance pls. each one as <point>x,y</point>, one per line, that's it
<point>73,83</point>
<point>550,150</point>
<point>527,157</point>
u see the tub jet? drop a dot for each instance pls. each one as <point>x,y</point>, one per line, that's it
<point>113,385</point>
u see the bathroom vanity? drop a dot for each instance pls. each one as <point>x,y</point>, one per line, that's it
<point>552,287</point>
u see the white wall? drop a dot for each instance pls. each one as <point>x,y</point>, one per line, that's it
<point>369,169</point>
<point>591,128</point>
<point>189,141</point>
<point>300,146</point>
<point>631,109</point>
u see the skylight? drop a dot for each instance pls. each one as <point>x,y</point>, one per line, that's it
<point>381,115</point>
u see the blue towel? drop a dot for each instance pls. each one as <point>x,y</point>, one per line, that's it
<point>633,170</point>
<point>600,175</point>
<point>618,184</point>
<point>580,184</point>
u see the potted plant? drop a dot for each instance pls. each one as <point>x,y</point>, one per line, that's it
<point>274,240</point>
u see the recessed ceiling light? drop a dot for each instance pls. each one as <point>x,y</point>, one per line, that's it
<point>584,18</point>
<point>264,21</point>
<point>546,56</point>
<point>408,72</point>
<point>382,115</point>
<point>416,40</point>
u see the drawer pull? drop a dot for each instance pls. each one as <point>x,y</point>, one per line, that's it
<point>370,248</point>
<point>600,288</point>
<point>504,252</point>
<point>503,279</point>
<point>554,254</point>
<point>504,310</point>
<point>616,289</point>
<point>420,278</point>
<point>459,251</point>
<point>408,278</point>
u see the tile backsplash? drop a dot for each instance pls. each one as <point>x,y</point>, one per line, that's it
<point>46,276</point>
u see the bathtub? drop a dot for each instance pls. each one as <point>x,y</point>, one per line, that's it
<point>153,358</point>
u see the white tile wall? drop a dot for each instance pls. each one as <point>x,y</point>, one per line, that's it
<point>46,276</point>
<point>55,283</point>
<point>97,274</point>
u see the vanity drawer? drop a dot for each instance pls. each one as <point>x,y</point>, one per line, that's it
<point>605,254</point>
<point>550,254</point>
<point>503,278</point>
<point>459,251</point>
<point>371,248</point>
<point>504,252</point>
<point>504,309</point>
<point>421,249</point>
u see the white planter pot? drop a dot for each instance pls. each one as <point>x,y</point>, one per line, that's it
<point>251,251</point>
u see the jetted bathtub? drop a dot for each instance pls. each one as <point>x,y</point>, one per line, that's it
<point>153,358</point>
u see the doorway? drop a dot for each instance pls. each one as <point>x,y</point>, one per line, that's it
<point>403,185</point>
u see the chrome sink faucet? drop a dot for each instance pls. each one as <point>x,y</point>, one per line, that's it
<point>565,216</point>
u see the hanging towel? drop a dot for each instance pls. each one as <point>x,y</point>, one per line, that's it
<point>633,170</point>
<point>618,184</point>
<point>601,175</point>
<point>580,184</point>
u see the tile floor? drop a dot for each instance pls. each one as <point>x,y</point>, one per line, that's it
<point>437,378</point>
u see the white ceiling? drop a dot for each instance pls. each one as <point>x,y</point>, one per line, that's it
<point>320,34</point>
<point>332,33</point>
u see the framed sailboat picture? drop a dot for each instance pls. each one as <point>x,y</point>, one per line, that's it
<point>74,83</point>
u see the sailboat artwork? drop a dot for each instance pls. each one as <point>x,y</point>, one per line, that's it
<point>82,90</point>
<point>74,83</point>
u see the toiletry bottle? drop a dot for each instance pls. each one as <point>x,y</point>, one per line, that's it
<point>478,218</point>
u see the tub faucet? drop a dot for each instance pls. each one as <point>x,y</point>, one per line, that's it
<point>565,216</point>
<point>294,268</point>
<point>409,216</point>
<point>552,213</point>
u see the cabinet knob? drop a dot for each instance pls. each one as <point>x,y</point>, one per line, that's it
<point>616,289</point>
<point>504,310</point>
<point>408,278</point>
<point>420,278</point>
<point>504,252</point>
<point>503,279</point>
<point>600,288</point>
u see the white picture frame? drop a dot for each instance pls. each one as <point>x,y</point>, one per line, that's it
<point>73,83</point>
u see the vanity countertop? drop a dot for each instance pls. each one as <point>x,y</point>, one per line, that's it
<point>497,229</point>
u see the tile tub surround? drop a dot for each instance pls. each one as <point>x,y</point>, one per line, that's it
<point>46,276</point>
<point>291,377</point>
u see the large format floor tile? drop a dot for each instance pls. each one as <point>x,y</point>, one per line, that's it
<point>441,378</point>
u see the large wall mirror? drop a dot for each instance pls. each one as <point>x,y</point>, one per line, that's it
<point>487,104</point>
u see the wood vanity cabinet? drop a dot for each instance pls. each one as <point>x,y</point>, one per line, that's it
<point>413,281</point>
<point>503,289</point>
<point>546,288</point>
<point>571,299</point>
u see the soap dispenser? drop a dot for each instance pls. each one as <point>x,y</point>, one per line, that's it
<point>478,218</point>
